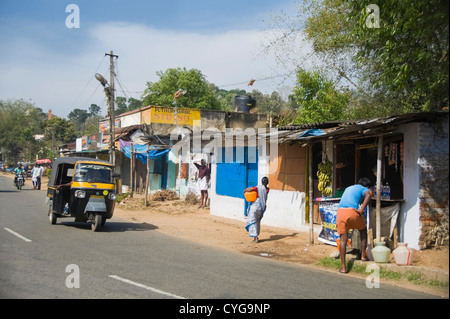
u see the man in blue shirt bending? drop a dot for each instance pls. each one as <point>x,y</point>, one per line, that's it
<point>350,216</point>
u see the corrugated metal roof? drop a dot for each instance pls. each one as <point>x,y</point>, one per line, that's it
<point>355,128</point>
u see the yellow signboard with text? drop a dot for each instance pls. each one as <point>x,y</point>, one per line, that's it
<point>167,115</point>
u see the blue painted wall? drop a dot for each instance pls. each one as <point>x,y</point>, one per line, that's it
<point>233,178</point>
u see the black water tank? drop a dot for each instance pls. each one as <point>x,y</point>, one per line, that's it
<point>244,103</point>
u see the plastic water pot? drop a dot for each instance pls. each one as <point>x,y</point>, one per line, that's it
<point>381,253</point>
<point>403,255</point>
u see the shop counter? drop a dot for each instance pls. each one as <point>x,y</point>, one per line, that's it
<point>328,210</point>
<point>328,207</point>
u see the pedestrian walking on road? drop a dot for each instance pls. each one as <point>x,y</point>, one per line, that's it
<point>33,177</point>
<point>36,176</point>
<point>257,209</point>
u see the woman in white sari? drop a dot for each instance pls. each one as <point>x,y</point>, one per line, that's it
<point>257,209</point>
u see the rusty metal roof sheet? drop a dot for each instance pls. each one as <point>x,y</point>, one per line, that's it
<point>355,128</point>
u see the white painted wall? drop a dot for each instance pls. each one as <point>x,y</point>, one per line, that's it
<point>409,223</point>
<point>130,119</point>
<point>285,209</point>
<point>226,206</point>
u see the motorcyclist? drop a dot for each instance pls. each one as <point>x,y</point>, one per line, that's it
<point>19,171</point>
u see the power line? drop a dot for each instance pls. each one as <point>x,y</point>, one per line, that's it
<point>262,79</point>
<point>87,84</point>
<point>122,85</point>
<point>118,79</point>
<point>93,93</point>
<point>123,91</point>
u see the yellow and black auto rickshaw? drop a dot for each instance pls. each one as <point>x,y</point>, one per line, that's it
<point>83,188</point>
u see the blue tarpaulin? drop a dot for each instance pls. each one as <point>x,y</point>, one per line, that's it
<point>141,152</point>
<point>313,132</point>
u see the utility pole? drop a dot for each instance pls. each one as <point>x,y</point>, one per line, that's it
<point>111,99</point>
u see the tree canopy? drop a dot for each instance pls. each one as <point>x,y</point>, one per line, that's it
<point>198,93</point>
<point>392,54</point>
<point>85,122</point>
<point>125,105</point>
<point>400,48</point>
<point>318,99</point>
<point>21,122</point>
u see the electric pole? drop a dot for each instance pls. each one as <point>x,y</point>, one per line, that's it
<point>111,100</point>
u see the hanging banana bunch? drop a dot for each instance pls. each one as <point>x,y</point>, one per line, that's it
<point>324,173</point>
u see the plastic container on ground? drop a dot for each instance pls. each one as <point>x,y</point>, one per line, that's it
<point>381,253</point>
<point>403,255</point>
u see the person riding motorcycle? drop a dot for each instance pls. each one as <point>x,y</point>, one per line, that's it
<point>19,171</point>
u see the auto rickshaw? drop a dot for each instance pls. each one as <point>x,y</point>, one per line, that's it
<point>83,188</point>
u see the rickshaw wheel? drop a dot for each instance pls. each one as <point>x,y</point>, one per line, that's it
<point>51,216</point>
<point>97,222</point>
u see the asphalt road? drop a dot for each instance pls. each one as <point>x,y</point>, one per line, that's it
<point>133,260</point>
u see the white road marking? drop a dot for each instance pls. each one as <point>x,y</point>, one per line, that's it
<point>145,287</point>
<point>18,235</point>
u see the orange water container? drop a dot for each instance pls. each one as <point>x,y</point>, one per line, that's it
<point>250,196</point>
<point>338,242</point>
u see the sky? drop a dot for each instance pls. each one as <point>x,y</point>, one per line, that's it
<point>44,61</point>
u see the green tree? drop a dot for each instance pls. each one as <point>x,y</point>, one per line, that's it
<point>58,131</point>
<point>28,143</point>
<point>268,103</point>
<point>403,62</point>
<point>227,97</point>
<point>197,91</point>
<point>78,117</point>
<point>94,110</point>
<point>134,104</point>
<point>399,65</point>
<point>19,122</point>
<point>318,98</point>
<point>91,126</point>
<point>83,120</point>
<point>121,105</point>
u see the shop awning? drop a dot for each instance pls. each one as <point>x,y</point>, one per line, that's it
<point>142,152</point>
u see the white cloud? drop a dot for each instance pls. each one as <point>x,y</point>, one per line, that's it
<point>64,82</point>
<point>225,58</point>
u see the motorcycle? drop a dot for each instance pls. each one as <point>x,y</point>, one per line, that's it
<point>19,181</point>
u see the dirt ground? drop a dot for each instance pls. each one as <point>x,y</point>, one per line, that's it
<point>187,221</point>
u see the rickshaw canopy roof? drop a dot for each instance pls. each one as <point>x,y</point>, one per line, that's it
<point>72,161</point>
